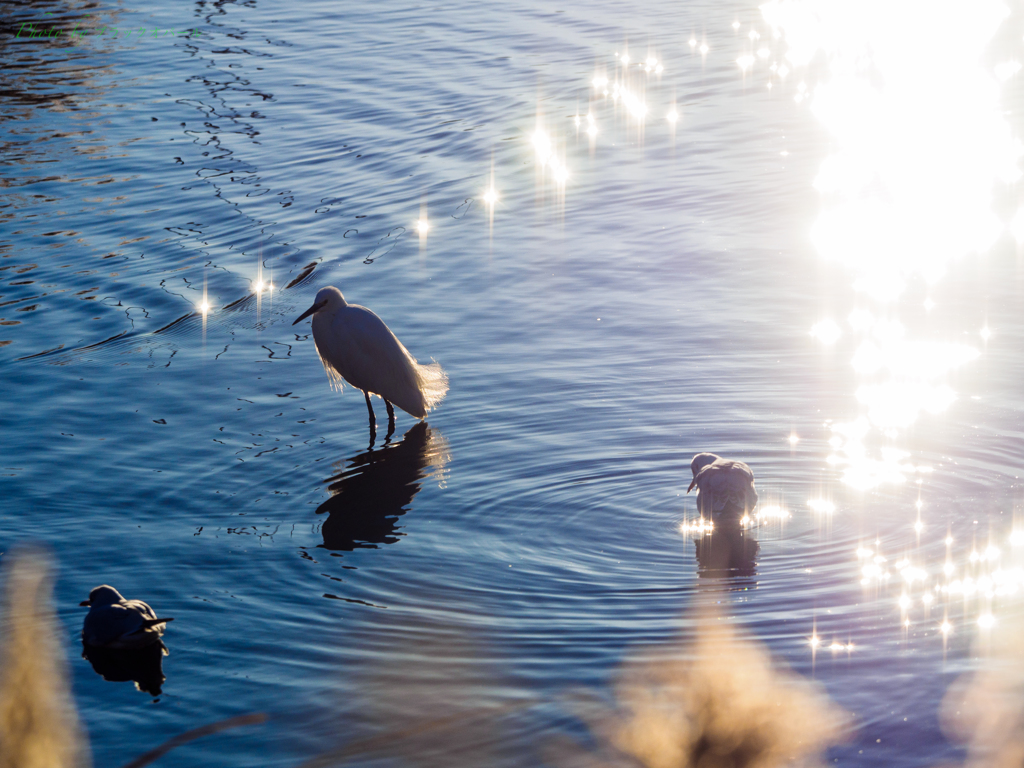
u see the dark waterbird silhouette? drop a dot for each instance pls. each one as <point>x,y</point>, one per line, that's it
<point>377,488</point>
<point>143,666</point>
<point>356,346</point>
<point>725,488</point>
<point>113,622</point>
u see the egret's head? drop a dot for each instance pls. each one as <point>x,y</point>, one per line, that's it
<point>327,299</point>
<point>103,595</point>
<point>698,463</point>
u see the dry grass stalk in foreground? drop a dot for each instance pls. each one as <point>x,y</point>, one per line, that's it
<point>38,724</point>
<point>985,710</point>
<point>196,733</point>
<point>721,703</point>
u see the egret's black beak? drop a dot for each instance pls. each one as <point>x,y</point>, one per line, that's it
<point>311,310</point>
<point>692,483</point>
<point>86,603</point>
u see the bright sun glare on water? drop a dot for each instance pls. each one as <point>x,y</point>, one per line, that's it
<point>920,144</point>
<point>918,148</point>
<point>965,588</point>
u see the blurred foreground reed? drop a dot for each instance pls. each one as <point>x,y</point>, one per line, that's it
<point>38,722</point>
<point>985,710</point>
<point>716,701</point>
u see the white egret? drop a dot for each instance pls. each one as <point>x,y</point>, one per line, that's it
<point>356,346</point>
<point>113,622</point>
<point>724,487</point>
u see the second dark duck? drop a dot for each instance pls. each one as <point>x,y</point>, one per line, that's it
<point>725,488</point>
<point>113,622</point>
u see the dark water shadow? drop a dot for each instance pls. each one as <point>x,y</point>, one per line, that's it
<point>377,488</point>
<point>143,666</point>
<point>729,552</point>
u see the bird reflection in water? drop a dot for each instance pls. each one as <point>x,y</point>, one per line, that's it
<point>377,488</point>
<point>143,666</point>
<point>729,550</point>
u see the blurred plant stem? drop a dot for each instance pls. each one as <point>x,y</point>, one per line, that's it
<point>38,723</point>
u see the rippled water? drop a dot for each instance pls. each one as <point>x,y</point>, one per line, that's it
<point>629,299</point>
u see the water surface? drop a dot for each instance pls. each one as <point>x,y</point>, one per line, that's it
<point>620,302</point>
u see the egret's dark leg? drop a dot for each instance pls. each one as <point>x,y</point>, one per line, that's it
<point>391,417</point>
<point>373,421</point>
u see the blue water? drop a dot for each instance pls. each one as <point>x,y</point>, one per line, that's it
<point>521,544</point>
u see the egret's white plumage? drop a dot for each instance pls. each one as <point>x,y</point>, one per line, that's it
<point>724,486</point>
<point>113,622</point>
<point>356,346</point>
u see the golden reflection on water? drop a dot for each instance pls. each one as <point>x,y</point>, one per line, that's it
<point>763,515</point>
<point>963,589</point>
<point>550,161</point>
<point>919,147</point>
<point>262,286</point>
<point>422,225</point>
<point>204,308</point>
<point>621,94</point>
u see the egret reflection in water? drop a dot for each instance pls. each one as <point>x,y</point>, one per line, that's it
<point>377,488</point>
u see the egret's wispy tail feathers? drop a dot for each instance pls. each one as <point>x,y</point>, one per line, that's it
<point>433,383</point>
<point>427,384</point>
<point>333,376</point>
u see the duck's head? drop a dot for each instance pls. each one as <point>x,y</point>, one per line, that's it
<point>698,463</point>
<point>102,595</point>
